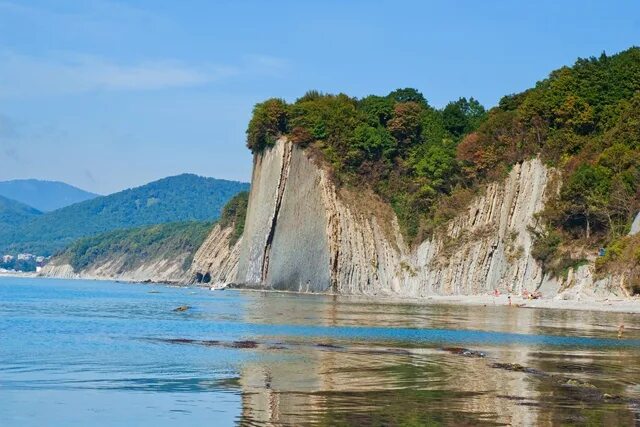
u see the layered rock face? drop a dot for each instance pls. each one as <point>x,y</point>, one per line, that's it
<point>216,261</point>
<point>489,246</point>
<point>158,270</point>
<point>304,234</point>
<point>285,244</point>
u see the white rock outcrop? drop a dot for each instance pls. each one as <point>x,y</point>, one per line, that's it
<point>303,234</point>
<point>159,270</point>
<point>488,247</point>
<point>216,261</point>
<point>635,226</point>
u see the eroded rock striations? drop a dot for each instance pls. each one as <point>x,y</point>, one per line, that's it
<point>216,261</point>
<point>165,270</point>
<point>304,234</point>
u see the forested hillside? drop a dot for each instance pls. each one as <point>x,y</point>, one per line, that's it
<point>180,198</point>
<point>137,246</point>
<point>164,244</point>
<point>585,121</point>
<point>234,214</point>
<point>14,213</point>
<point>397,144</point>
<point>427,163</point>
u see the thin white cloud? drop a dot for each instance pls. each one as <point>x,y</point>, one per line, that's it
<point>22,75</point>
<point>30,74</point>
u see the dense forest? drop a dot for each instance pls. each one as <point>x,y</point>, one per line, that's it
<point>14,213</point>
<point>138,245</point>
<point>234,214</point>
<point>163,241</point>
<point>428,163</point>
<point>180,198</point>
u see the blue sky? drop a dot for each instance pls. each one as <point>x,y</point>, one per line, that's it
<point>107,95</point>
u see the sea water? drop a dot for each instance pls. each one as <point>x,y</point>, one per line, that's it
<point>78,353</point>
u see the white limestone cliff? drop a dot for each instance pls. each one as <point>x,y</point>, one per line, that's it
<point>304,234</point>
<point>216,261</point>
<point>163,270</point>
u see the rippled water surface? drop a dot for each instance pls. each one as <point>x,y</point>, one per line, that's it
<point>79,353</point>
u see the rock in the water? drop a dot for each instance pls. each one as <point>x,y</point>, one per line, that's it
<point>182,308</point>
<point>460,351</point>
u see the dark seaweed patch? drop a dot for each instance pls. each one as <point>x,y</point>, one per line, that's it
<point>244,344</point>
<point>516,367</point>
<point>328,345</point>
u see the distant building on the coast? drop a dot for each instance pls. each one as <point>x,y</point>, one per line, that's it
<point>26,257</point>
<point>6,259</point>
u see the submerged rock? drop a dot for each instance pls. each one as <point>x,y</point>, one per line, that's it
<point>516,367</point>
<point>464,352</point>
<point>572,382</point>
<point>178,340</point>
<point>328,345</point>
<point>244,344</point>
<point>182,308</point>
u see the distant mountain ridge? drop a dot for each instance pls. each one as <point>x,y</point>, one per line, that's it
<point>184,197</point>
<point>45,196</point>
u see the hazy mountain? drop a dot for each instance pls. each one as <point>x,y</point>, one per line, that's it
<point>180,198</point>
<point>44,195</point>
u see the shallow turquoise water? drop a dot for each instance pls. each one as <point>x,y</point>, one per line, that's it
<point>107,353</point>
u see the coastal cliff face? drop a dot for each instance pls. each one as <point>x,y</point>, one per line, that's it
<point>489,246</point>
<point>285,244</point>
<point>304,234</point>
<point>165,270</point>
<point>157,253</point>
<point>216,262</point>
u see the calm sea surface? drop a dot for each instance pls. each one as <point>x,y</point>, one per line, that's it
<point>82,353</point>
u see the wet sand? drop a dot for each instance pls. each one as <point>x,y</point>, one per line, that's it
<point>613,304</point>
<point>617,305</point>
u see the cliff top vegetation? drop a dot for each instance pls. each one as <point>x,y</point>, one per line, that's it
<point>427,162</point>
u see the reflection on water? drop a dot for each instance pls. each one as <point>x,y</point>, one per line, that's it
<point>79,353</point>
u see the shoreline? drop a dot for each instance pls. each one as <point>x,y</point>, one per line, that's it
<point>585,303</point>
<point>612,305</point>
<point>19,274</point>
<point>92,279</point>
